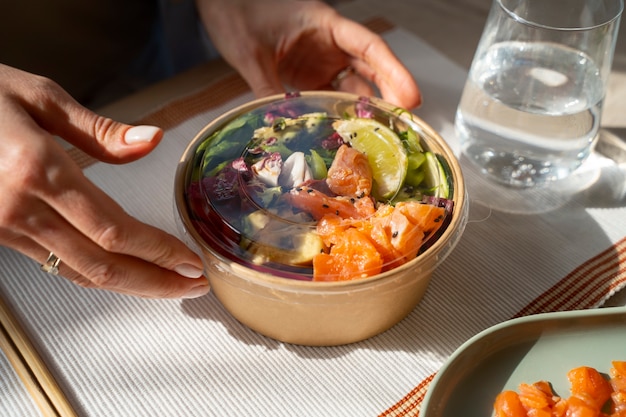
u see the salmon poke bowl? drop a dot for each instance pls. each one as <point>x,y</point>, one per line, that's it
<point>320,216</point>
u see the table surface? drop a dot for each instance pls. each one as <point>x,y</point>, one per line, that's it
<point>453,29</point>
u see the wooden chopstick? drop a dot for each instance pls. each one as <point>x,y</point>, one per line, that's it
<point>30,368</point>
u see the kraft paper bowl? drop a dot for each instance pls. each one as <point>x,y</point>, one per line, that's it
<point>289,307</point>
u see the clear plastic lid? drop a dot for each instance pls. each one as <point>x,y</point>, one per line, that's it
<point>318,187</point>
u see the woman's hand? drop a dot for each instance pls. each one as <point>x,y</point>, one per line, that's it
<point>304,45</point>
<point>50,206</point>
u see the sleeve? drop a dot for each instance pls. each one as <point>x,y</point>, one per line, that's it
<point>178,42</point>
<point>185,42</point>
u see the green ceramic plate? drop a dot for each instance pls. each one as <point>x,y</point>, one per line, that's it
<point>528,349</point>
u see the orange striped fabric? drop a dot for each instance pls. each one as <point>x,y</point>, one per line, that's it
<point>409,405</point>
<point>587,286</point>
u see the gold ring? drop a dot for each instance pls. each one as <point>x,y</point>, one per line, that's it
<point>52,264</point>
<point>346,72</point>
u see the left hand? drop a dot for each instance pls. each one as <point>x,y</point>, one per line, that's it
<point>304,45</point>
<point>49,205</point>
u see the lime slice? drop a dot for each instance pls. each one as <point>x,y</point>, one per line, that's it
<point>384,150</point>
<point>435,176</point>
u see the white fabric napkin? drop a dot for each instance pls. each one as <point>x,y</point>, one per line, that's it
<point>15,401</point>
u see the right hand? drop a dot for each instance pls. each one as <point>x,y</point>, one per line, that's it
<point>304,45</point>
<point>50,206</point>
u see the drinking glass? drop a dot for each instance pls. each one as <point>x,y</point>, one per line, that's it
<point>531,107</point>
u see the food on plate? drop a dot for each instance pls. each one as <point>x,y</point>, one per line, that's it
<point>591,395</point>
<point>320,197</point>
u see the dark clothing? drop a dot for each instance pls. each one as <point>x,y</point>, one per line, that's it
<point>101,50</point>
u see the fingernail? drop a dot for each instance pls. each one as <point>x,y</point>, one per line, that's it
<point>198,291</point>
<point>188,271</point>
<point>138,134</point>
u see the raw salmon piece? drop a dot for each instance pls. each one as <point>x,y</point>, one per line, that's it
<point>618,376</point>
<point>318,204</point>
<point>560,408</point>
<point>537,396</point>
<point>619,368</point>
<point>350,173</point>
<point>378,231</point>
<point>582,405</point>
<point>330,228</point>
<point>588,384</point>
<point>618,383</point>
<point>427,217</point>
<point>619,402</point>
<point>353,257</point>
<point>397,239</point>
<point>406,237</point>
<point>539,412</point>
<point>508,404</point>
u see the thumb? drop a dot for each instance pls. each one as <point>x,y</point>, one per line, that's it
<point>100,137</point>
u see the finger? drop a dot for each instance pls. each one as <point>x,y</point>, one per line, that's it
<point>87,264</point>
<point>354,83</point>
<point>55,111</point>
<point>146,287</point>
<point>39,254</point>
<point>243,42</point>
<point>374,60</point>
<point>99,218</point>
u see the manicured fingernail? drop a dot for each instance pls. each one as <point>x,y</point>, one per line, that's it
<point>188,271</point>
<point>144,133</point>
<point>198,291</point>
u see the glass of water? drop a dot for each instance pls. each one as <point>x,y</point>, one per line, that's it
<point>531,107</point>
